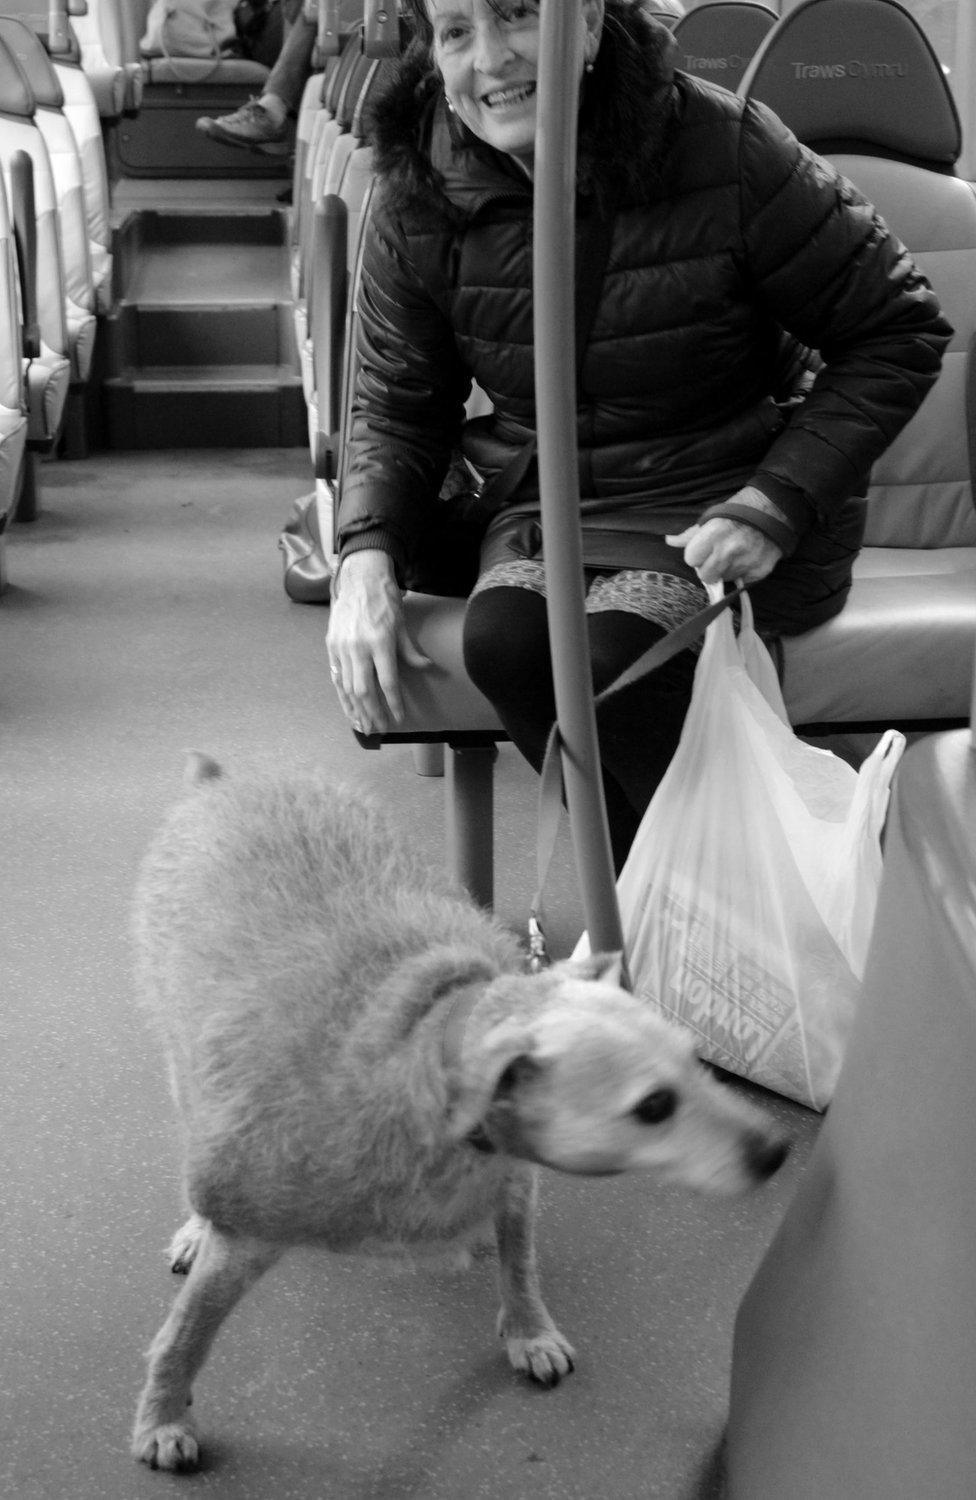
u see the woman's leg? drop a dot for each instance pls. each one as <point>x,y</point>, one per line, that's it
<point>506,653</point>
<point>639,727</point>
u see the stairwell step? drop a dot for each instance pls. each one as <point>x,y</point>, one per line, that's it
<point>217,377</point>
<point>220,407</point>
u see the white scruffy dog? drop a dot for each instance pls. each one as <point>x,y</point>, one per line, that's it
<point>359,1062</point>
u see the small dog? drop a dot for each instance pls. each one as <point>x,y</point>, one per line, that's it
<point>359,1062</point>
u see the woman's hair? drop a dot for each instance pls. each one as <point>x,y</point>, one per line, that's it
<point>424,31</point>
<point>626,110</point>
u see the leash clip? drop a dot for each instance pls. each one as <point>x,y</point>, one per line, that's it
<point>538,947</point>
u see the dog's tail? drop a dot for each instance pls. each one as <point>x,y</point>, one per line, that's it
<point>200,768</point>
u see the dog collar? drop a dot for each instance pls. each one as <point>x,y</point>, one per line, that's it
<point>480,1140</point>
<point>465,999</point>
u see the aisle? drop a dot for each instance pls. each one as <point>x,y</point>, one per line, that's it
<point>146,616</point>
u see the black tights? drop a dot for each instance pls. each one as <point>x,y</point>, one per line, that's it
<point>506,653</point>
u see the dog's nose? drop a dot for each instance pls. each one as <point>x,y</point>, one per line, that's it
<point>765,1154</point>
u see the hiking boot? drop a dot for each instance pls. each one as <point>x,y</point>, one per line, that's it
<point>251,127</point>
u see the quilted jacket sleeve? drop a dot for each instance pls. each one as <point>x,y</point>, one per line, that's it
<point>409,402</point>
<point>831,272</point>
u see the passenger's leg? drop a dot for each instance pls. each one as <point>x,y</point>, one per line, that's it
<point>286,81</point>
<point>639,727</point>
<point>506,655</point>
<point>262,124</point>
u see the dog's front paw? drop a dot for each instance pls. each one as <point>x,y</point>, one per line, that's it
<point>184,1245</point>
<point>544,1357</point>
<point>172,1447</point>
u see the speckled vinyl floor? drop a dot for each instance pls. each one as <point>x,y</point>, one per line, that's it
<point>145,616</point>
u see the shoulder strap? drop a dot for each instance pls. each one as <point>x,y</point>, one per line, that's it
<point>594,253</point>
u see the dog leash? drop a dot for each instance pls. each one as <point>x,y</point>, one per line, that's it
<point>551,777</point>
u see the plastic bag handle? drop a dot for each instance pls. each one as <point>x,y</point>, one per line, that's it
<point>679,639</point>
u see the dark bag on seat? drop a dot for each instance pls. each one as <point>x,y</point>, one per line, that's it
<point>260,30</point>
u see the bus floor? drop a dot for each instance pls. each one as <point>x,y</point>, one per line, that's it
<point>145,615</point>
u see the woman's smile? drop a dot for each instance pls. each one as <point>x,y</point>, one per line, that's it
<point>513,94</point>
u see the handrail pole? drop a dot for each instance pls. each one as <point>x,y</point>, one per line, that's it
<point>554,283</point>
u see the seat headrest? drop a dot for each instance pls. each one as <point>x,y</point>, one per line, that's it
<point>16,95</point>
<point>30,52</point>
<point>858,76</point>
<point>718,40</point>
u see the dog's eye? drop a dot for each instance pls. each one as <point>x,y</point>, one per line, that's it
<point>658,1105</point>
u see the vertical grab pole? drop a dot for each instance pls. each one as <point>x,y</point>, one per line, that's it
<point>554,283</point>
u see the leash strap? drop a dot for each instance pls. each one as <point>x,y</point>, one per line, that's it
<point>551,777</point>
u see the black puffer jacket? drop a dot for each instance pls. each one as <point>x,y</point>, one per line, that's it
<point>726,232</point>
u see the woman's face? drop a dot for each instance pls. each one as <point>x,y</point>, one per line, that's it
<point>488,56</point>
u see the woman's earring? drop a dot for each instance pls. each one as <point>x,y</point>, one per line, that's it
<point>588,68</point>
<point>449,104</point>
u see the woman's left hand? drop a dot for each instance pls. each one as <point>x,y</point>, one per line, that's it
<point>723,549</point>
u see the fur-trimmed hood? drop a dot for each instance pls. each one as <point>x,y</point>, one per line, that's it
<point>428,160</point>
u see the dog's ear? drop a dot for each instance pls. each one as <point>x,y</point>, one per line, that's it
<point>502,1059</point>
<point>602,968</point>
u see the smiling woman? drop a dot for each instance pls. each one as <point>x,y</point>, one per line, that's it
<point>487,52</point>
<point>709,247</point>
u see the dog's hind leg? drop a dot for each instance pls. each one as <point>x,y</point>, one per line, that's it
<point>222,1271</point>
<point>535,1346</point>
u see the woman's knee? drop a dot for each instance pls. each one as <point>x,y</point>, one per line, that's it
<point>506,641</point>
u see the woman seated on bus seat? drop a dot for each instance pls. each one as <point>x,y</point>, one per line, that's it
<point>262,124</point>
<point>725,233</point>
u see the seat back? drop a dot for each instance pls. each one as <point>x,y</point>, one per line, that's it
<point>857,80</point>
<point>48,367</point>
<point>858,76</point>
<point>19,133</point>
<point>110,55</point>
<point>718,40</point>
<point>81,110</point>
<point>13,421</point>
<point>65,158</point>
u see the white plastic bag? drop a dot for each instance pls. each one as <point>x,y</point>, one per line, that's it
<point>748,897</point>
<point>188,28</point>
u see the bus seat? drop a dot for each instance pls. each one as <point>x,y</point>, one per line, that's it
<point>337,217</point>
<point>65,159</point>
<point>312,101</point>
<point>48,373</point>
<point>331,122</point>
<point>854,1355</point>
<point>239,72</point>
<point>81,109</point>
<point>110,62</point>
<point>717,40</point>
<point>858,81</point>
<point>13,413</point>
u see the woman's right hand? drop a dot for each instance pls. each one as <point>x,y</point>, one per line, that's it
<point>366,640</point>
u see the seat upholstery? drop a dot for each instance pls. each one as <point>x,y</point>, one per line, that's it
<point>13,411</point>
<point>717,41</point>
<point>81,110</point>
<point>345,178</point>
<point>48,372</point>
<point>65,159</point>
<point>114,72</point>
<point>902,648</point>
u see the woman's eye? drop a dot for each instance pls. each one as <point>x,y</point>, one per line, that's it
<point>658,1105</point>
